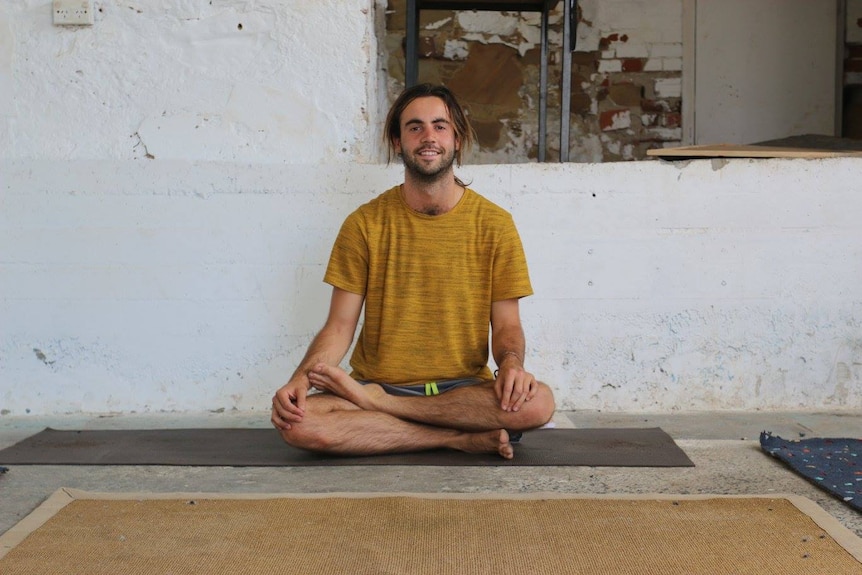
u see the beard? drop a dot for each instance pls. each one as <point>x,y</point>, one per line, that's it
<point>428,173</point>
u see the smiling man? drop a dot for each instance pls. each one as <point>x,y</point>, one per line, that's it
<point>435,265</point>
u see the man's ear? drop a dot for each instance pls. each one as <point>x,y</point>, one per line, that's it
<point>396,144</point>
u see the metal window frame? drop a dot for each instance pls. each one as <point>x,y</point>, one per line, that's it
<point>570,21</point>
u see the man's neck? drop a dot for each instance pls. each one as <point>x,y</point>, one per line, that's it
<point>432,198</point>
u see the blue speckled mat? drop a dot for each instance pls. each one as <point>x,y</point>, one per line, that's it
<point>831,464</point>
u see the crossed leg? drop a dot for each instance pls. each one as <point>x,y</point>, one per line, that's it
<point>353,419</point>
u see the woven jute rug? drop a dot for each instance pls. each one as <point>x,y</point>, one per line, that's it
<point>437,534</point>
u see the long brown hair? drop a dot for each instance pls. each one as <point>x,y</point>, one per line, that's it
<point>392,129</point>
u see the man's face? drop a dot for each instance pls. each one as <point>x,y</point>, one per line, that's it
<point>427,143</point>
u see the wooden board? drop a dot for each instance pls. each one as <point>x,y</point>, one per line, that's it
<point>748,151</point>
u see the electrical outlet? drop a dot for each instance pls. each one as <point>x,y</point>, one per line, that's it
<point>73,12</point>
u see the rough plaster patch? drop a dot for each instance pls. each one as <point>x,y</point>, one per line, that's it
<point>610,66</point>
<point>668,87</point>
<point>631,49</point>
<point>628,152</point>
<point>619,120</point>
<point>588,147</point>
<point>216,41</point>
<point>488,22</point>
<point>282,112</point>
<point>438,24</point>
<point>187,136</point>
<point>653,65</point>
<point>665,134</point>
<point>253,118</point>
<point>654,21</point>
<point>456,50</point>
<point>588,35</point>
<point>846,370</point>
<point>718,163</point>
<point>532,37</point>
<point>484,39</point>
<point>672,64</point>
<point>665,50</point>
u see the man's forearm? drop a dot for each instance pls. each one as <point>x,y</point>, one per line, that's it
<point>508,345</point>
<point>329,346</point>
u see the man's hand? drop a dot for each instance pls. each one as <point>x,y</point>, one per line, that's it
<point>288,403</point>
<point>513,386</point>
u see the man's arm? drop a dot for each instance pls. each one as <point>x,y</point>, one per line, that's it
<point>328,346</point>
<point>514,385</point>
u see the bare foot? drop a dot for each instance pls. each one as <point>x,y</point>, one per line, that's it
<point>489,442</point>
<point>336,381</point>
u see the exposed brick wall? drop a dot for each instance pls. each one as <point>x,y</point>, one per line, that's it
<point>625,89</point>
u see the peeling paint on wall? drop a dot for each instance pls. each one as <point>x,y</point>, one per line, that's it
<point>615,53</point>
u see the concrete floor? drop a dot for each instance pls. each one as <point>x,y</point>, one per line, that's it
<point>723,446</point>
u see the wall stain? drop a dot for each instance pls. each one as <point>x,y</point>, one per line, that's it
<point>42,357</point>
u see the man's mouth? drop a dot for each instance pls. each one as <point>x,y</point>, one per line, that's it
<point>428,152</point>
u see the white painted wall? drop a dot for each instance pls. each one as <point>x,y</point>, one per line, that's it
<point>764,70</point>
<point>192,281</point>
<point>220,80</point>
<point>144,286</point>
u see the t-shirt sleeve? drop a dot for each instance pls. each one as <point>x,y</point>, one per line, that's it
<point>348,262</point>
<point>510,275</point>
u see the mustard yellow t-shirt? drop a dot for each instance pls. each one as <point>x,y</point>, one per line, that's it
<point>428,283</point>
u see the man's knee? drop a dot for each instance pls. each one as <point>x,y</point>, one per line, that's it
<point>540,409</point>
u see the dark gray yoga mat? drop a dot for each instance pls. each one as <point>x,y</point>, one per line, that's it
<point>624,447</point>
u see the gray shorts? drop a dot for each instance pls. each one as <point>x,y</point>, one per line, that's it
<point>430,388</point>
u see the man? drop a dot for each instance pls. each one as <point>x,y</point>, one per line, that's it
<point>434,263</point>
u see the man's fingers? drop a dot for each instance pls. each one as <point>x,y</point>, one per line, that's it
<point>506,393</point>
<point>514,388</point>
<point>287,411</point>
<point>519,401</point>
<point>519,396</point>
<point>277,421</point>
<point>524,390</point>
<point>285,404</point>
<point>300,400</point>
